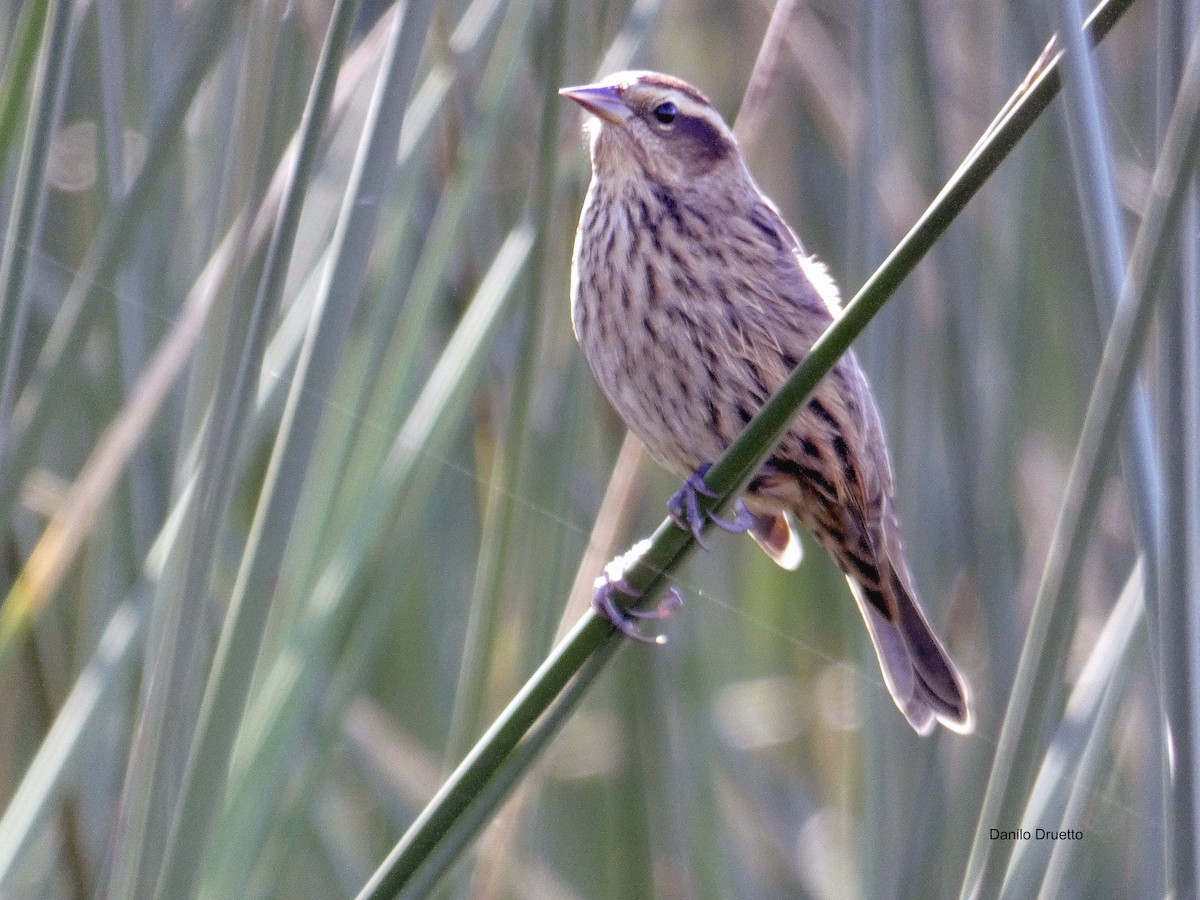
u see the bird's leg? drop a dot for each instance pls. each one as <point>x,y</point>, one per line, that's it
<point>684,508</point>
<point>625,618</point>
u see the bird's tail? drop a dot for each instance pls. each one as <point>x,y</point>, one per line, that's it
<point>922,679</point>
<point>919,673</point>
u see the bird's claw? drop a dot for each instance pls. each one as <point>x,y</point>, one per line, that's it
<point>625,618</point>
<point>685,510</point>
<point>742,520</point>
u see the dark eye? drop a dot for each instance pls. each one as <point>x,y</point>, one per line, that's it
<point>665,113</point>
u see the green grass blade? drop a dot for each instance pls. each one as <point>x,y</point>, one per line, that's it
<point>112,237</point>
<point>1093,165</point>
<point>48,776</point>
<point>173,645</point>
<point>19,66</point>
<point>466,472</point>
<point>294,689</point>
<point>1177,349</point>
<point>1113,652</point>
<point>669,544</point>
<point>21,234</point>
<point>514,461</point>
<point>1034,687</point>
<point>233,666</point>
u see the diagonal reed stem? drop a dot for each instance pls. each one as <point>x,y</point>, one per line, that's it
<point>512,742</point>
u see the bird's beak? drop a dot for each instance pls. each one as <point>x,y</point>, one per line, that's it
<point>601,100</point>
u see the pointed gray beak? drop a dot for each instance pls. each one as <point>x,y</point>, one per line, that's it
<point>601,100</point>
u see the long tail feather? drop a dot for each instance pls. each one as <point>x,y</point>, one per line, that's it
<point>919,673</point>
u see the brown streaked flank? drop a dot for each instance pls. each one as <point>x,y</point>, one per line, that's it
<point>693,300</point>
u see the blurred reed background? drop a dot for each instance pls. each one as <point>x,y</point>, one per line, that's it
<point>296,475</point>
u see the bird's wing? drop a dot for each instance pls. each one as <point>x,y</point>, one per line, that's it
<point>813,269</point>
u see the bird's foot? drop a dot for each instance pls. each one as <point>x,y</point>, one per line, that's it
<point>684,508</point>
<point>625,618</point>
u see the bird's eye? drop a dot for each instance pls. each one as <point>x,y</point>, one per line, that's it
<point>665,113</point>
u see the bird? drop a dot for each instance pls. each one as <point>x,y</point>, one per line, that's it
<point>692,301</point>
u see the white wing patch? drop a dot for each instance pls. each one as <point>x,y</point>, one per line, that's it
<point>819,275</point>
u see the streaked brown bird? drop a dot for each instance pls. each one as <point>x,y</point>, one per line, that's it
<point>693,300</point>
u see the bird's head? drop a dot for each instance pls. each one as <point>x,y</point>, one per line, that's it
<point>654,125</point>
